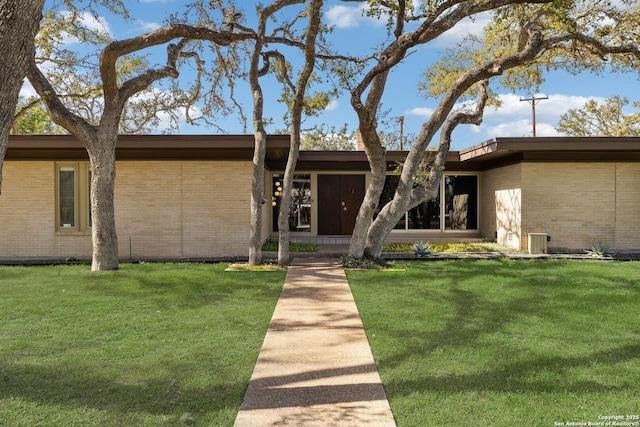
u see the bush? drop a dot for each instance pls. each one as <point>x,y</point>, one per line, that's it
<point>364,263</point>
<point>598,251</point>
<point>450,247</point>
<point>293,247</point>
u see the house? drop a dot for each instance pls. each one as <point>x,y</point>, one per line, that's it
<point>188,196</point>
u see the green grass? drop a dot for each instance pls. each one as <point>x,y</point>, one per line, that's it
<point>148,345</point>
<point>504,343</point>
<point>449,247</point>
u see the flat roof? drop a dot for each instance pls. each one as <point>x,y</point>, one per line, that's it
<point>486,155</point>
<point>194,147</point>
<point>498,151</point>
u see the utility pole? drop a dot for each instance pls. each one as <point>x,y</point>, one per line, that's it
<point>533,100</point>
<point>401,131</point>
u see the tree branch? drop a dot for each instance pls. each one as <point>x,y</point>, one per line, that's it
<point>144,80</point>
<point>426,191</point>
<point>117,49</point>
<point>59,113</point>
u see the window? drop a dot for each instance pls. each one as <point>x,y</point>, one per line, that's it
<point>461,201</point>
<point>459,212</point>
<point>73,212</point>
<point>300,209</point>
<point>67,197</point>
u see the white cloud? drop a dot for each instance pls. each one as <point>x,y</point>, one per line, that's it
<point>87,20</point>
<point>95,23</point>
<point>546,109</point>
<point>27,90</point>
<point>165,119</point>
<point>465,27</point>
<point>147,26</point>
<point>514,117</point>
<point>515,128</point>
<point>420,111</point>
<point>350,17</point>
<point>344,16</point>
<point>333,105</point>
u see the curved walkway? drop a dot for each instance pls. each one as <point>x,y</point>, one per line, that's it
<point>315,367</point>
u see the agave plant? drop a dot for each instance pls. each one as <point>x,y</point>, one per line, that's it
<point>598,251</point>
<point>421,249</point>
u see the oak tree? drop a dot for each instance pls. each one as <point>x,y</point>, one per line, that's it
<point>523,39</point>
<point>294,95</point>
<point>100,137</point>
<point>19,23</point>
<point>605,119</point>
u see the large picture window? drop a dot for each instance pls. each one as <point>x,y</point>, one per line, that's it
<point>461,200</point>
<point>73,212</point>
<point>458,212</point>
<point>300,209</point>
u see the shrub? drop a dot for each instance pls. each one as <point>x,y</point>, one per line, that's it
<point>598,251</point>
<point>421,250</point>
<point>293,247</point>
<point>364,263</point>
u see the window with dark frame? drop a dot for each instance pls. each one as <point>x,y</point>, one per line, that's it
<point>460,210</point>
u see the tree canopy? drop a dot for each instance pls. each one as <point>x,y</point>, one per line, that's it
<point>601,119</point>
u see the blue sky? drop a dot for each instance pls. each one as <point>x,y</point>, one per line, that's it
<point>355,33</point>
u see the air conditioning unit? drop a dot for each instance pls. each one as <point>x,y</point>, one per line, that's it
<point>537,243</point>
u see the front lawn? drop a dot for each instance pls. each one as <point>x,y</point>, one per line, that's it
<point>148,345</point>
<point>505,343</point>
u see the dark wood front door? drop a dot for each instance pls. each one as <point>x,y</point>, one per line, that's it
<point>339,200</point>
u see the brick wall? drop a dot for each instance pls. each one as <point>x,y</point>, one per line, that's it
<point>164,209</point>
<point>577,204</point>
<point>500,205</point>
<point>179,209</point>
<point>183,209</point>
<point>574,203</point>
<point>27,215</point>
<point>627,233</point>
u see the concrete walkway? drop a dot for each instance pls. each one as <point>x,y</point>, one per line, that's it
<point>315,367</point>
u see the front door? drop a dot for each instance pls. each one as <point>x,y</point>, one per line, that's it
<point>339,200</point>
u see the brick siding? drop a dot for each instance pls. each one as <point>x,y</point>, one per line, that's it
<point>577,204</point>
<point>164,209</point>
<point>500,205</point>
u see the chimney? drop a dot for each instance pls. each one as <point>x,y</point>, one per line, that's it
<point>359,141</point>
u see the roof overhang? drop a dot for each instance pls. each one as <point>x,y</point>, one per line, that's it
<point>501,151</point>
<point>493,153</point>
<point>145,147</point>
<point>196,147</point>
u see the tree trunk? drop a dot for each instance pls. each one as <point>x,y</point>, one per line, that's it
<point>378,165</point>
<point>257,195</point>
<point>19,23</point>
<point>408,195</point>
<point>103,221</point>
<point>296,124</point>
<point>380,229</point>
<point>259,152</point>
<point>285,206</point>
<point>396,209</point>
